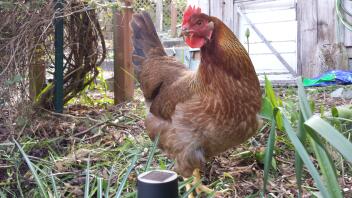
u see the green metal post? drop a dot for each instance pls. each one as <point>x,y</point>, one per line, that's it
<point>59,54</point>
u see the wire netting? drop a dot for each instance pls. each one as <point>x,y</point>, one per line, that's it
<point>150,7</point>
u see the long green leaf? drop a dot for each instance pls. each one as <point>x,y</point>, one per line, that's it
<point>267,109</point>
<point>333,136</point>
<point>124,180</point>
<point>269,152</point>
<point>107,190</point>
<point>33,170</point>
<point>269,92</point>
<point>53,183</point>
<point>303,102</point>
<point>152,152</point>
<point>302,134</point>
<point>305,157</point>
<point>100,187</point>
<point>275,102</point>
<point>48,87</point>
<point>185,182</point>
<point>325,163</point>
<point>86,186</point>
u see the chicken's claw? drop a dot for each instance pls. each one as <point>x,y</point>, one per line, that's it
<point>200,187</point>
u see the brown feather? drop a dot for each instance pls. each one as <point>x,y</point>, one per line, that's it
<point>200,114</point>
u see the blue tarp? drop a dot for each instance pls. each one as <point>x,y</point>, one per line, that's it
<point>330,78</point>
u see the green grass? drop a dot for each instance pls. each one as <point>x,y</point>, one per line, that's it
<point>106,159</point>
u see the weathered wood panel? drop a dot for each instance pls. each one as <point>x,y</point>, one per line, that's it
<point>326,24</point>
<point>123,68</point>
<point>228,14</point>
<point>267,4</point>
<point>37,72</point>
<point>159,15</point>
<point>273,31</point>
<point>307,36</point>
<point>173,11</point>
<point>236,20</point>
<point>224,10</point>
<point>216,8</point>
<point>317,31</point>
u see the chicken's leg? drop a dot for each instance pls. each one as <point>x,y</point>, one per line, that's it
<point>201,188</point>
<point>188,187</point>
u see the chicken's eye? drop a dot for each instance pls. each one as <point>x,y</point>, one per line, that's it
<point>199,22</point>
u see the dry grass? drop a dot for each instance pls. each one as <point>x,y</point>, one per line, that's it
<point>110,136</point>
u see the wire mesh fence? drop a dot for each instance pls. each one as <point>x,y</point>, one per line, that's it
<point>151,5</point>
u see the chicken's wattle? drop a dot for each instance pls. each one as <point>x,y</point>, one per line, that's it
<point>195,42</point>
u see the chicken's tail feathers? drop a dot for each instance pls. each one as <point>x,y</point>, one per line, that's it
<point>146,42</point>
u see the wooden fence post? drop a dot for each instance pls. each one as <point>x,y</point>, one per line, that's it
<point>173,10</point>
<point>123,68</point>
<point>37,72</point>
<point>159,15</point>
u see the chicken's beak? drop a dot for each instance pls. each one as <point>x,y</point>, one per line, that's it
<point>184,32</point>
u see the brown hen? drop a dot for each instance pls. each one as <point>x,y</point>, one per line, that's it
<point>198,114</point>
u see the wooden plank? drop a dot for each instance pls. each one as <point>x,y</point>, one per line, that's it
<point>215,8</point>
<point>271,62</point>
<point>267,4</point>
<point>249,2</point>
<point>326,16</point>
<point>274,32</point>
<point>272,73</point>
<point>224,10</point>
<point>277,54</point>
<point>37,72</point>
<point>173,10</point>
<point>123,68</point>
<point>159,16</point>
<point>236,20</point>
<point>205,6</point>
<point>266,16</point>
<point>281,47</point>
<point>307,37</point>
<point>228,14</point>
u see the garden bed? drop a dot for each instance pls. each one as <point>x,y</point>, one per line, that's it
<point>107,137</point>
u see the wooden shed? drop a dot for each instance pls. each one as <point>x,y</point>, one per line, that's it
<point>287,38</point>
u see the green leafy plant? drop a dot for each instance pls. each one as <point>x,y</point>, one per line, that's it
<point>100,85</point>
<point>311,133</point>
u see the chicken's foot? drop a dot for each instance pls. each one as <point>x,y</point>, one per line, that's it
<point>188,187</point>
<point>201,188</point>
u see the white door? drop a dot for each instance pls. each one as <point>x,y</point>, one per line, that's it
<point>276,21</point>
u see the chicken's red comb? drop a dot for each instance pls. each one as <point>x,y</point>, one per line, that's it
<point>189,12</point>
